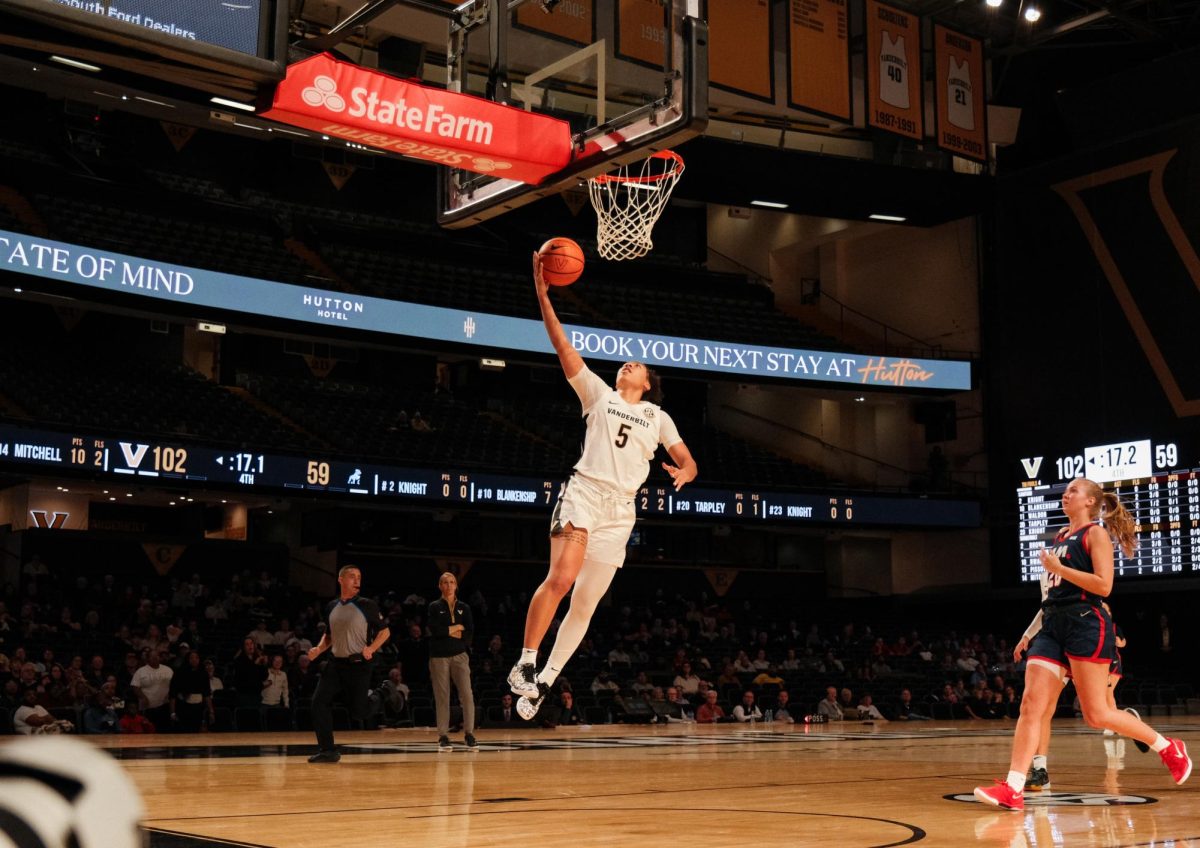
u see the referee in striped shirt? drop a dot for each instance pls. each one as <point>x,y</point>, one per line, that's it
<point>354,631</point>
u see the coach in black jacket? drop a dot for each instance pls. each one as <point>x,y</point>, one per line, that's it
<point>451,628</point>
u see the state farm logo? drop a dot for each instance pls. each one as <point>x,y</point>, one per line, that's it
<point>488,165</point>
<point>323,92</point>
<point>424,113</point>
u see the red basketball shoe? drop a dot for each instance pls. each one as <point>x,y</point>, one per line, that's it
<point>1175,757</point>
<point>1001,795</point>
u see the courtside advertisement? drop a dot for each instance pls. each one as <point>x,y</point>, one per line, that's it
<point>162,282</point>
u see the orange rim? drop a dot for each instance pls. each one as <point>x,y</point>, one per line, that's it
<point>650,178</point>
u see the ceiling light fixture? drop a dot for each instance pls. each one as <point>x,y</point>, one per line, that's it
<point>232,104</point>
<point>75,63</point>
<point>1033,14</point>
<point>770,204</point>
<point>894,218</point>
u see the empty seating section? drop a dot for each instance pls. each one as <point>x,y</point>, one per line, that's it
<point>403,276</point>
<point>62,387</point>
<point>215,239</point>
<point>363,421</point>
<point>8,221</point>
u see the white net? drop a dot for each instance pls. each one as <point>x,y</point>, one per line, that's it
<point>629,200</point>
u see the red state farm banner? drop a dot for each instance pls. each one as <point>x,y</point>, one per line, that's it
<point>345,101</point>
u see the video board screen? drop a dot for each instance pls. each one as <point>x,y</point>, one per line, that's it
<point>234,24</point>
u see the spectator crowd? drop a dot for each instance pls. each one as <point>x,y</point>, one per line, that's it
<point>96,656</point>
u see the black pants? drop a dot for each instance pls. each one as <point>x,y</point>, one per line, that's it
<point>354,678</point>
<point>191,716</point>
<point>160,717</point>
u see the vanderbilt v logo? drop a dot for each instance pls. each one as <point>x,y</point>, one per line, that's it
<point>1148,260</point>
<point>48,521</point>
<point>134,454</point>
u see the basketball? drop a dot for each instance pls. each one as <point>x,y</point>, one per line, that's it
<point>562,261</point>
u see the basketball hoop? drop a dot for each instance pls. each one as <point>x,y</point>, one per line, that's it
<point>629,200</point>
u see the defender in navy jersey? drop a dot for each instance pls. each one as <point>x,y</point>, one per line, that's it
<point>595,513</point>
<point>1078,632</point>
<point>354,631</point>
<point>1038,778</point>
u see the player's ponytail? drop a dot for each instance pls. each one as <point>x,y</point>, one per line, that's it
<point>655,394</point>
<point>1119,522</point>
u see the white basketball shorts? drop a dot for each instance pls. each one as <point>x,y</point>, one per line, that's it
<point>607,515</point>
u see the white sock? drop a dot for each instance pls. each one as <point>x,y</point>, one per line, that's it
<point>1160,742</point>
<point>1016,781</point>
<point>528,656</point>
<point>1039,761</point>
<point>548,675</point>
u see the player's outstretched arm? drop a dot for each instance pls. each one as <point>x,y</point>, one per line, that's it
<point>572,362</point>
<point>684,469</point>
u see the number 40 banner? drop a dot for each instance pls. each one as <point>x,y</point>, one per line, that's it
<point>893,76</point>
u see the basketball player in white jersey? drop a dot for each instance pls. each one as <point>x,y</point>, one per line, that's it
<point>595,512</point>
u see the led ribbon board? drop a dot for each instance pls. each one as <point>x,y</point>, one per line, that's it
<point>183,286</point>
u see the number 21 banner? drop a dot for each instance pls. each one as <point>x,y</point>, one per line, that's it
<point>893,70</point>
<point>959,94</point>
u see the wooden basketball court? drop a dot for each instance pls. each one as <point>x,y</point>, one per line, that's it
<point>852,786</point>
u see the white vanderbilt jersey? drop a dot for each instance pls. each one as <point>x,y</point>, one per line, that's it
<point>960,103</point>
<point>893,71</point>
<point>621,437</point>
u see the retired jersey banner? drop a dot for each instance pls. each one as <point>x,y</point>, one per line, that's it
<point>819,58</point>
<point>571,20</point>
<point>959,94</point>
<point>357,104</point>
<point>641,31</point>
<point>740,56</point>
<point>893,71</point>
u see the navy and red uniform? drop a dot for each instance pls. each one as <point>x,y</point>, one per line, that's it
<point>1117,669</point>
<point>1074,624</point>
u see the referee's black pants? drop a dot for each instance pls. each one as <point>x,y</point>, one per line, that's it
<point>352,676</point>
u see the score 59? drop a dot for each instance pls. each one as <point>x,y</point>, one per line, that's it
<point>318,473</point>
<point>1166,456</point>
